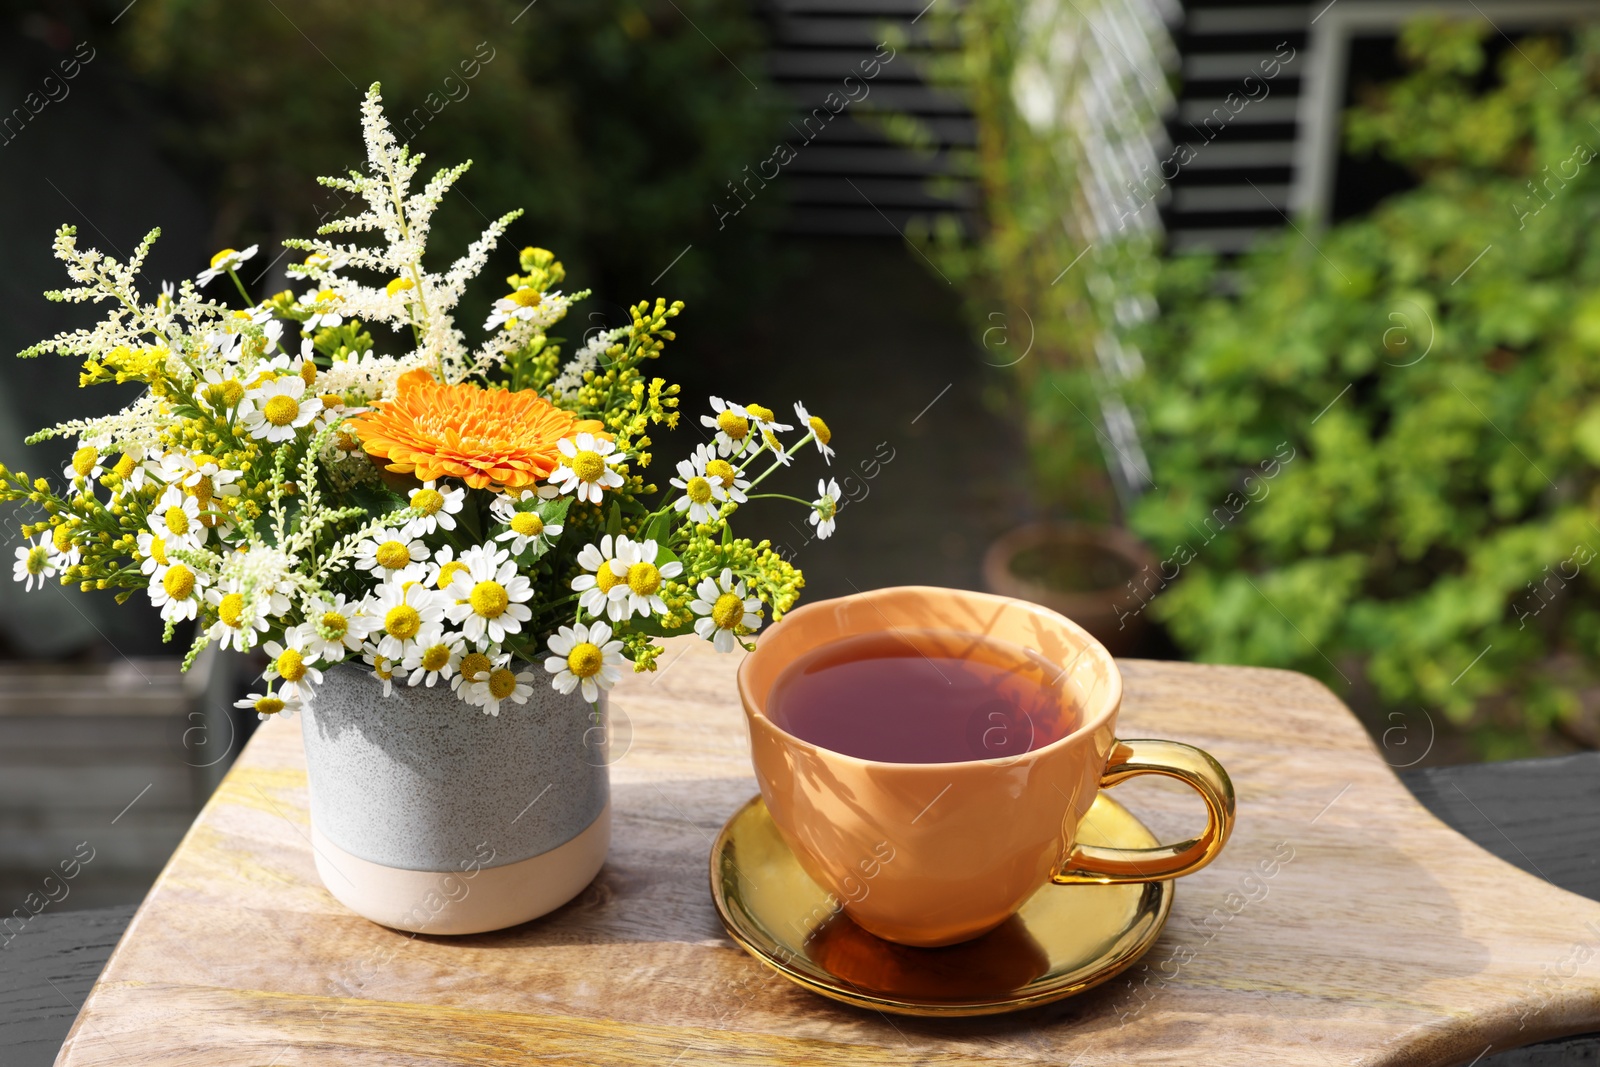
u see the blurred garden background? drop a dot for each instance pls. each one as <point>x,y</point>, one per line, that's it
<point>1262,333</point>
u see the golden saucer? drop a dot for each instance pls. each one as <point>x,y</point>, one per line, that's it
<point>1064,940</point>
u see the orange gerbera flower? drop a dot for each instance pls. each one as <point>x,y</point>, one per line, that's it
<point>489,438</point>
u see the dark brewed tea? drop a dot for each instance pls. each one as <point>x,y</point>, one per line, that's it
<point>922,696</point>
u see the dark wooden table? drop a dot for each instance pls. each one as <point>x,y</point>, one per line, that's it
<point>1540,815</point>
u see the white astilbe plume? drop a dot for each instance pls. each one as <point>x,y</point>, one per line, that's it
<point>404,219</point>
<point>584,360</point>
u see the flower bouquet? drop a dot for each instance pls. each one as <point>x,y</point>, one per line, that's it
<point>338,478</point>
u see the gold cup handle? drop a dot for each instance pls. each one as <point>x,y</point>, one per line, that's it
<point>1093,863</point>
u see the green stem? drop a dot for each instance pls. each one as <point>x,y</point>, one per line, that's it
<point>779,496</point>
<point>240,286</point>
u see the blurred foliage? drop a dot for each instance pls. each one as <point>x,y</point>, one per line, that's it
<point>614,123</point>
<point>1020,65</point>
<point>1432,372</point>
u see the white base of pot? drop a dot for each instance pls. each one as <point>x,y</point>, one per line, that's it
<point>468,902</point>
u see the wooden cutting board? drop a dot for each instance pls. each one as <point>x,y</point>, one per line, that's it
<point>1344,925</point>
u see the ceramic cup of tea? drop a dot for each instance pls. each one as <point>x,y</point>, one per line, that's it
<point>929,753</point>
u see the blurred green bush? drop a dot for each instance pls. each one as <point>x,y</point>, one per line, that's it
<point>614,123</point>
<point>1376,456</point>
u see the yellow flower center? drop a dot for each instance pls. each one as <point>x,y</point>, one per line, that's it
<point>585,659</point>
<point>528,298</point>
<point>332,400</point>
<point>281,410</point>
<point>203,490</point>
<point>606,577</point>
<point>699,490</point>
<point>38,559</point>
<point>83,460</point>
<point>269,705</point>
<point>392,555</point>
<point>428,501</point>
<point>327,296</point>
<point>291,665</point>
<point>334,626</point>
<point>177,520</point>
<point>179,582</point>
<point>727,611</point>
<point>399,285</point>
<point>820,428</point>
<point>489,599</point>
<point>474,664</point>
<point>124,467</point>
<point>436,658</point>
<point>644,579</point>
<point>345,442</point>
<point>762,414</point>
<point>216,260</point>
<point>588,465</point>
<point>501,684</point>
<point>403,622</point>
<point>722,471</point>
<point>448,572</point>
<point>382,668</point>
<point>735,426</point>
<point>231,610</point>
<point>308,373</point>
<point>527,524</point>
<point>158,550</point>
<point>62,538</point>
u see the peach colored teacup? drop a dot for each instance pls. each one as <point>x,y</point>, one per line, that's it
<point>936,853</point>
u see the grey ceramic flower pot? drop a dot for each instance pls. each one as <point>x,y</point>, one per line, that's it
<point>428,815</point>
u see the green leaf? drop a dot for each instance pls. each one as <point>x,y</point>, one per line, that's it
<point>614,520</point>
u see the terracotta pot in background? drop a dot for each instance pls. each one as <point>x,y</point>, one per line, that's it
<point>1078,569</point>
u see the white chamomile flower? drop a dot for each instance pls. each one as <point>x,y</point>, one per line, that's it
<point>294,663</point>
<point>268,705</point>
<point>382,668</point>
<point>499,685</point>
<point>64,551</point>
<point>85,465</point>
<point>239,621</point>
<point>224,261</point>
<point>642,576</point>
<point>278,408</point>
<point>820,433</point>
<point>586,466</point>
<point>35,563</point>
<point>732,424</point>
<point>489,595</point>
<point>475,667</point>
<point>825,507</point>
<point>522,304</point>
<point>177,589</point>
<point>443,568</point>
<point>324,307</point>
<point>152,552</point>
<point>175,518</point>
<point>586,656</point>
<point>401,610</point>
<point>765,419</point>
<point>335,627</point>
<point>724,608</point>
<point>437,507</point>
<point>703,495</point>
<point>526,528</point>
<point>388,552</point>
<point>434,655</point>
<point>594,588</point>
